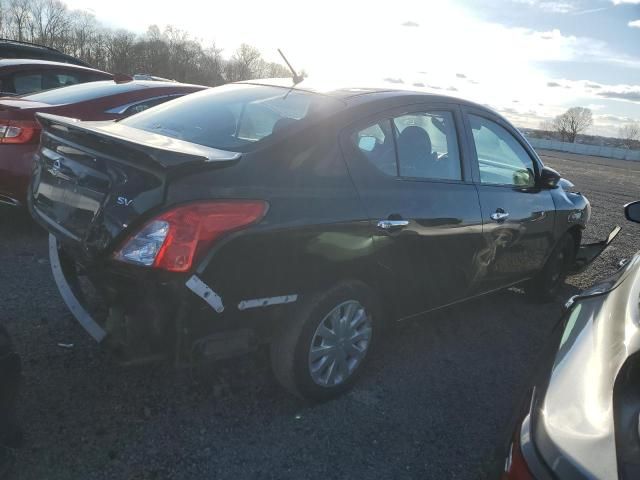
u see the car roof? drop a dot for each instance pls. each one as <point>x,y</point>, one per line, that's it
<point>361,94</point>
<point>21,49</point>
<point>100,90</point>
<point>17,62</point>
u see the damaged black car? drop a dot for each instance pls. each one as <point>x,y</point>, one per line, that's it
<point>298,217</point>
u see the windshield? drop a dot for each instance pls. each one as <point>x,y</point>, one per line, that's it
<point>82,92</point>
<point>232,116</point>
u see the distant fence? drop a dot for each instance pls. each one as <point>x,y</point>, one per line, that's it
<point>581,149</point>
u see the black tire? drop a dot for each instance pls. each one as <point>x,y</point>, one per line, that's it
<point>545,286</point>
<point>291,347</point>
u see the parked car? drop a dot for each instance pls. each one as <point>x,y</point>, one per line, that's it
<point>23,76</point>
<point>261,213</point>
<point>582,415</point>
<point>18,49</point>
<point>103,100</point>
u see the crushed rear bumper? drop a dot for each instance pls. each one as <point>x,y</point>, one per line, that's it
<point>68,291</point>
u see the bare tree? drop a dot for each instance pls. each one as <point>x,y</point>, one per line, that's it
<point>630,134</point>
<point>50,22</point>
<point>244,64</point>
<point>572,122</point>
<point>547,126</point>
<point>19,16</point>
<point>169,52</point>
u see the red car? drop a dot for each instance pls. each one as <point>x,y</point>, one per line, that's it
<point>103,100</point>
<point>23,76</point>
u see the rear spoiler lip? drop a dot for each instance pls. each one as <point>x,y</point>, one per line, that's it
<point>142,139</point>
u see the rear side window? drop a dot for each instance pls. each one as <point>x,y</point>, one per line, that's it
<point>232,116</point>
<point>377,144</point>
<point>27,83</point>
<point>56,80</point>
<point>501,158</point>
<point>416,145</point>
<point>427,146</point>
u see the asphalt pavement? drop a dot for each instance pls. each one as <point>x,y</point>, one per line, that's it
<point>434,403</point>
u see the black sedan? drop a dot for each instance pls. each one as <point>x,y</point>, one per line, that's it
<point>261,213</point>
<point>582,416</point>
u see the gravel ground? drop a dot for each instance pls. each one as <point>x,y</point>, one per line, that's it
<point>434,403</point>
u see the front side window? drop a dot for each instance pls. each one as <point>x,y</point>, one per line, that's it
<point>501,158</point>
<point>417,145</point>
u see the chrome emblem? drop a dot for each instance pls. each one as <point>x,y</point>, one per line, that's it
<point>56,170</point>
<point>124,201</point>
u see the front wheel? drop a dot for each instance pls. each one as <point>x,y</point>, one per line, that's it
<point>322,349</point>
<point>545,286</point>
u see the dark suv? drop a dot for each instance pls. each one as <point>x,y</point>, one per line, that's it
<point>261,213</point>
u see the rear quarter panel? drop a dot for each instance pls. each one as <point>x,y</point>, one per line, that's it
<point>314,234</point>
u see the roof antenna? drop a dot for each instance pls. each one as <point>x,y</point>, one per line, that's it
<point>296,78</point>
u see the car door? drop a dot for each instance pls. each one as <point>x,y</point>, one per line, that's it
<point>410,171</point>
<point>518,216</point>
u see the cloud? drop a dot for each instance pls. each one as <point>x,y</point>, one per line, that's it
<point>461,75</point>
<point>394,80</point>
<point>630,94</point>
<point>634,24</point>
<point>590,10</point>
<point>452,89</point>
<point>553,84</point>
<point>630,2</point>
<point>409,23</point>
<point>550,5</point>
<point>418,84</point>
<point>612,119</point>
<point>593,85</point>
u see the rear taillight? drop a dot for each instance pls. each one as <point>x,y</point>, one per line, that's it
<point>17,131</point>
<point>172,240</point>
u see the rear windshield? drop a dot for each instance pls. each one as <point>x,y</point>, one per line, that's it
<point>82,92</point>
<point>234,117</point>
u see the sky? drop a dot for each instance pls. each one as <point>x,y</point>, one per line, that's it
<point>529,59</point>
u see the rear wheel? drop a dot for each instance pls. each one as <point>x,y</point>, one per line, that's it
<point>545,286</point>
<point>323,348</point>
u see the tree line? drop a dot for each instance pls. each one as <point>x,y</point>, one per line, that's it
<point>168,52</point>
<point>577,120</point>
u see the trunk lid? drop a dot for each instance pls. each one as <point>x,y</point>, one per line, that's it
<point>95,179</point>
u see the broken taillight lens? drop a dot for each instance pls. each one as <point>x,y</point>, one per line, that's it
<point>16,131</point>
<point>174,239</point>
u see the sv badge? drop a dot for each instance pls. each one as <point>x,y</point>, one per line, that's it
<point>124,201</point>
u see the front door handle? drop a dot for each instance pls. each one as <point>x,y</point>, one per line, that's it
<point>499,216</point>
<point>391,225</point>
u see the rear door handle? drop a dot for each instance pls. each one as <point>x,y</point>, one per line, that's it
<point>500,215</point>
<point>391,225</point>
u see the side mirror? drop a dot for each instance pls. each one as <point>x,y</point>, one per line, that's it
<point>549,178</point>
<point>632,211</point>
